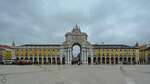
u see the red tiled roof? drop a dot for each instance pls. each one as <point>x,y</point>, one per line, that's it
<point>5,46</point>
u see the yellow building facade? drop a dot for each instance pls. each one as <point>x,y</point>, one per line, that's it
<point>144,55</point>
<point>63,53</point>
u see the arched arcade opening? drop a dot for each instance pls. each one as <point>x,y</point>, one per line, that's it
<point>76,53</point>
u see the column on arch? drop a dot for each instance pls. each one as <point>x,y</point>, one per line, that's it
<point>91,54</point>
<point>81,56</point>
<point>66,54</point>
<point>86,56</point>
<point>70,55</point>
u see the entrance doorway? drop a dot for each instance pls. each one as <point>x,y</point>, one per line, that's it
<point>76,54</point>
<point>63,60</point>
<point>89,60</point>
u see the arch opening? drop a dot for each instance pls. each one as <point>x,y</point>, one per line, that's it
<point>76,53</point>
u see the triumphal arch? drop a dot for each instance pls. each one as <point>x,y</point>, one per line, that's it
<point>76,37</point>
<point>63,53</point>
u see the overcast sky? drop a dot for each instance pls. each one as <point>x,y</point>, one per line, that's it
<point>47,21</point>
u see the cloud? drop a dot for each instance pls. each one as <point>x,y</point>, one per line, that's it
<point>47,21</point>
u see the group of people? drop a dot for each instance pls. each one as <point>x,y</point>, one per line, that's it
<point>75,61</point>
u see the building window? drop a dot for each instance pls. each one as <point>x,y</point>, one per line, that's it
<point>58,51</point>
<point>21,49</point>
<point>116,52</point>
<point>98,54</point>
<point>30,49</point>
<point>44,49</point>
<point>107,54</point>
<point>124,51</point>
<point>21,53</point>
<point>44,52</point>
<point>111,54</point>
<point>16,49</point>
<point>107,49</point>
<point>35,53</point>
<point>94,52</point>
<point>39,49</point>
<point>17,54</point>
<point>26,49</point>
<point>26,54</point>
<point>89,53</point>
<point>129,53</point>
<point>40,54</point>
<point>120,54</point>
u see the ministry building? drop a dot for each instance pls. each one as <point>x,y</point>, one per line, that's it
<point>63,53</point>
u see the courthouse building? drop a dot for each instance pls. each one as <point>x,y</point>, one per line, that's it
<point>63,53</point>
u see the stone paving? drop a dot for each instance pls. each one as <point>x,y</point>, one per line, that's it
<point>74,74</point>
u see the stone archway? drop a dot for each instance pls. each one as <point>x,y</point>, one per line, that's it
<point>58,60</point>
<point>76,37</point>
<point>129,60</point>
<point>63,60</point>
<point>112,60</point>
<point>40,60</point>
<point>89,60</point>
<point>99,60</point>
<point>49,60</point>
<point>53,60</point>
<point>103,60</point>
<point>116,59</point>
<point>94,60</point>
<point>35,60</point>
<point>76,53</point>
